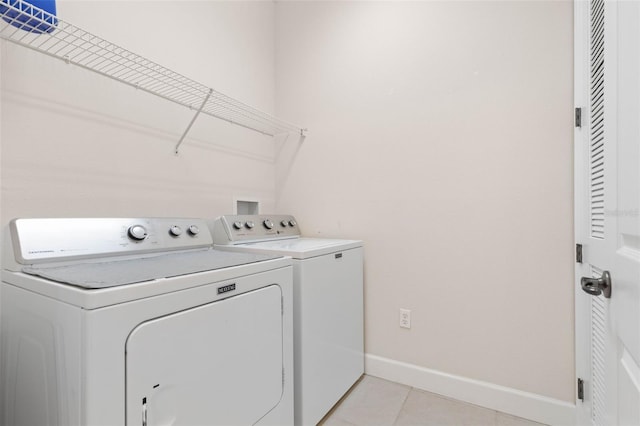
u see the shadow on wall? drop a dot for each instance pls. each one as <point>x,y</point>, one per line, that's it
<point>287,148</point>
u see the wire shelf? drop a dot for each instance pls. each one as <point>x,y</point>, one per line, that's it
<point>34,28</point>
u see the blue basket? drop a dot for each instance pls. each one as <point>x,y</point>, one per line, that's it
<point>35,16</point>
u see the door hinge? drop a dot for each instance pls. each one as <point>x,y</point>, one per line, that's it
<point>578,253</point>
<point>578,117</point>
<point>580,389</point>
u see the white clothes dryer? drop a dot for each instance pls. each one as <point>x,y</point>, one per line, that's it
<point>141,322</point>
<point>328,304</point>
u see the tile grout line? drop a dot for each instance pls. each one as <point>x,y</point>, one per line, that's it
<point>495,417</point>
<point>395,420</point>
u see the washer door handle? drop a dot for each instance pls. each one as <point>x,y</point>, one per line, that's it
<point>597,286</point>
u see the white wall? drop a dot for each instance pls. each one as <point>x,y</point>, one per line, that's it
<point>78,144</point>
<point>441,135</point>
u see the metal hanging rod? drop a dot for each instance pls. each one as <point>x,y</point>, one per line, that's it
<point>36,29</point>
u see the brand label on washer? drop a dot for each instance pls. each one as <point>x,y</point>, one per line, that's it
<point>226,288</point>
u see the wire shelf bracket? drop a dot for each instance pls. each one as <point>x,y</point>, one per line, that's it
<point>36,29</point>
<point>193,121</point>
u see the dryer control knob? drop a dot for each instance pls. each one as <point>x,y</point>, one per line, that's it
<point>249,224</point>
<point>237,224</point>
<point>175,231</point>
<point>193,230</point>
<point>284,223</point>
<point>292,222</point>
<point>137,232</point>
<point>268,224</point>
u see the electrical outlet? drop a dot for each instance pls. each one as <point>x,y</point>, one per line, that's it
<point>405,318</point>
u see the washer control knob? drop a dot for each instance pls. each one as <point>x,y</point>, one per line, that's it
<point>175,231</point>
<point>284,223</point>
<point>292,222</point>
<point>193,230</point>
<point>249,224</point>
<point>137,232</point>
<point>237,224</point>
<point>268,223</point>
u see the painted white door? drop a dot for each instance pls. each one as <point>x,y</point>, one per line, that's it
<point>607,168</point>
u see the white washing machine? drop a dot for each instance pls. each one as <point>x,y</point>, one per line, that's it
<point>328,305</point>
<point>141,322</point>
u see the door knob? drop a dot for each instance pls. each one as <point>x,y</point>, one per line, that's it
<point>597,286</point>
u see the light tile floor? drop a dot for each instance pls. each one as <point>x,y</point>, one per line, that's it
<point>378,402</point>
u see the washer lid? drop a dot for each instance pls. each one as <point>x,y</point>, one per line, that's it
<point>112,273</point>
<point>300,248</point>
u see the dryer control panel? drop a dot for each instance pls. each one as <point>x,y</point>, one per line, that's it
<point>236,229</point>
<point>61,239</point>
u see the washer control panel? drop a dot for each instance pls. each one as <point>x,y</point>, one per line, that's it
<point>232,229</point>
<point>56,239</point>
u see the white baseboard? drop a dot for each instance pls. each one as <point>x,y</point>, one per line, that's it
<point>527,405</point>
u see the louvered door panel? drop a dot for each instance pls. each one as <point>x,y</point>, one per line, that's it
<point>607,52</point>
<point>597,151</point>
<point>597,128</point>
